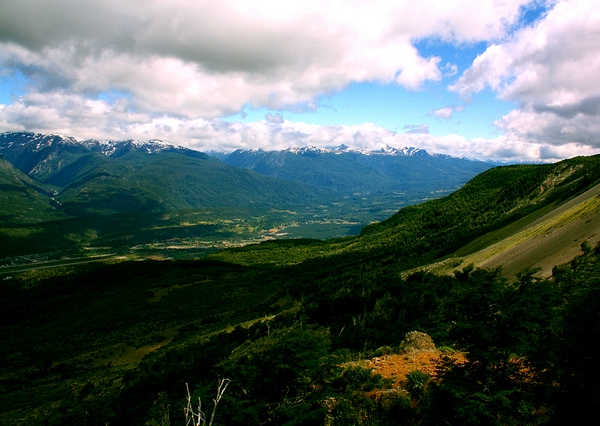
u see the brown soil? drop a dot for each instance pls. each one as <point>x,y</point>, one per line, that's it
<point>397,366</point>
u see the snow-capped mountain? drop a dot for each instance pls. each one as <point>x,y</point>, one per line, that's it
<point>40,155</point>
<point>358,171</point>
<point>37,142</point>
<point>112,148</point>
<point>387,150</point>
<point>33,142</point>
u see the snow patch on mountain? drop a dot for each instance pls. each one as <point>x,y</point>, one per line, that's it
<point>117,148</point>
<point>344,149</point>
<point>35,141</point>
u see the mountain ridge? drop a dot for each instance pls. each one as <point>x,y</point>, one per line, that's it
<point>90,171</point>
<point>357,171</point>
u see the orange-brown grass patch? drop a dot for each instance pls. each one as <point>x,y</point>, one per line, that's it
<point>397,366</point>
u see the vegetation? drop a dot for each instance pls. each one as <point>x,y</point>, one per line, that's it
<point>293,323</point>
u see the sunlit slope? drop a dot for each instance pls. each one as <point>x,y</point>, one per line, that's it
<point>539,241</point>
<point>491,201</point>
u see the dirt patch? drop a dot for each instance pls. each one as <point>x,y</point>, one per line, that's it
<point>397,366</point>
<point>417,353</point>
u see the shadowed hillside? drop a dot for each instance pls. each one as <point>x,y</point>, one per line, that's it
<point>298,326</point>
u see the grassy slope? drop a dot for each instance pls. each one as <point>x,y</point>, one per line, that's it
<point>550,240</point>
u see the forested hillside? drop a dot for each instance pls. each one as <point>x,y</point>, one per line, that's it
<point>300,328</point>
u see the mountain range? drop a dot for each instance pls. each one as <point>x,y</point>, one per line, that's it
<point>352,171</point>
<point>106,177</point>
<point>55,183</point>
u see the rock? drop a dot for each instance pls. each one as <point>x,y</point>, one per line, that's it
<point>415,341</point>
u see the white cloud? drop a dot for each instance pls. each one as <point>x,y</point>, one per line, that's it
<point>173,68</point>
<point>552,71</point>
<point>419,129</point>
<point>274,118</point>
<point>444,113</point>
<point>83,119</point>
<point>209,58</point>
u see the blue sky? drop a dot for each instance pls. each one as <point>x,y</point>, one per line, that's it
<point>499,80</point>
<point>397,109</point>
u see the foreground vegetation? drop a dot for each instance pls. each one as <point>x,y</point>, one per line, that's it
<point>287,322</point>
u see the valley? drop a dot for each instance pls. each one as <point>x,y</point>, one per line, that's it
<point>79,198</point>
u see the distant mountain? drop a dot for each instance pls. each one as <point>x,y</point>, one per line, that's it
<point>105,177</point>
<point>118,149</point>
<point>41,156</point>
<point>354,171</point>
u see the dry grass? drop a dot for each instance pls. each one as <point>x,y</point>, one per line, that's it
<point>397,366</point>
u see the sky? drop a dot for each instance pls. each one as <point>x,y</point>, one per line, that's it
<point>500,80</point>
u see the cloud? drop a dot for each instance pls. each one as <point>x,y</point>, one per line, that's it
<point>444,113</point>
<point>416,129</point>
<point>209,59</point>
<point>588,106</point>
<point>164,69</point>
<point>103,119</point>
<point>274,118</point>
<point>551,71</point>
<point>450,70</point>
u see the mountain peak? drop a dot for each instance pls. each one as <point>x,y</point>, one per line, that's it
<point>35,141</point>
<point>112,148</point>
<point>308,150</point>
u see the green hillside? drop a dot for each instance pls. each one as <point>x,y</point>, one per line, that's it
<point>100,178</point>
<point>192,182</point>
<point>22,200</point>
<point>300,326</point>
<point>94,185</point>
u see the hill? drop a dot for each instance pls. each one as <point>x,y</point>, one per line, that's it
<point>23,200</point>
<point>541,240</point>
<point>293,323</point>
